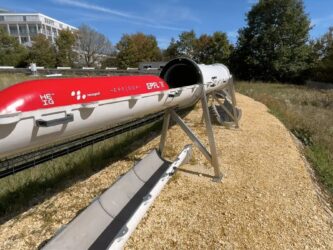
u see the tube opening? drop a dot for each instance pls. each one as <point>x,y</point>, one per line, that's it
<point>181,72</point>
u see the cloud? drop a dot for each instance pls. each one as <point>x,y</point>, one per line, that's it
<point>163,43</point>
<point>124,16</point>
<point>322,21</point>
<point>232,34</point>
<point>89,6</point>
<point>173,12</point>
<point>252,1</point>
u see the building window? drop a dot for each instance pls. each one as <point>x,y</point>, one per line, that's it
<point>48,21</point>
<point>54,32</point>
<point>2,18</point>
<point>32,29</point>
<point>23,30</point>
<point>48,30</point>
<point>13,30</point>
<point>39,28</point>
<point>24,18</point>
<point>24,39</point>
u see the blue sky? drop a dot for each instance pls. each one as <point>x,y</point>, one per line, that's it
<point>163,19</point>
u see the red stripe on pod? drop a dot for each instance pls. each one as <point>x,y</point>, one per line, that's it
<point>49,93</point>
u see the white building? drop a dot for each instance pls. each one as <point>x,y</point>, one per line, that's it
<point>24,26</point>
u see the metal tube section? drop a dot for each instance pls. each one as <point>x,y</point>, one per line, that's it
<point>166,122</point>
<point>142,209</point>
<point>211,139</point>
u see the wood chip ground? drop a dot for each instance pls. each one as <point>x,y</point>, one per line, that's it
<point>267,199</point>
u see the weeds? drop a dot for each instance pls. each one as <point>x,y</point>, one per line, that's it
<point>7,79</point>
<point>27,188</point>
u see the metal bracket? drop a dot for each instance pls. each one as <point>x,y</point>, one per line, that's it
<point>211,156</point>
<point>49,123</point>
<point>175,93</point>
<point>229,91</point>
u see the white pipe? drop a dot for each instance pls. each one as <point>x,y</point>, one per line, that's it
<point>7,67</point>
<point>53,75</point>
<point>64,68</point>
<point>133,222</point>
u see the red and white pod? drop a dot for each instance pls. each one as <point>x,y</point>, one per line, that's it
<point>38,112</point>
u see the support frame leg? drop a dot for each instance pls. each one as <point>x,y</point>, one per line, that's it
<point>211,139</point>
<point>166,123</point>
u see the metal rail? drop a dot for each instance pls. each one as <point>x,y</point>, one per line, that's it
<point>19,163</point>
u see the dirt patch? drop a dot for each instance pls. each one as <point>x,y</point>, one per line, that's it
<point>266,200</point>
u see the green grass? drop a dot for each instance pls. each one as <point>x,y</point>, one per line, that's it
<point>27,188</point>
<point>308,114</point>
<point>7,79</point>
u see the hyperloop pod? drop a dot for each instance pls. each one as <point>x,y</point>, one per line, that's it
<point>39,112</point>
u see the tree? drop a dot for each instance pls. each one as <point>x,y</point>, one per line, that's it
<point>184,46</point>
<point>274,44</point>
<point>66,56</point>
<point>172,51</point>
<point>42,52</point>
<point>136,48</point>
<point>205,49</point>
<point>323,45</point>
<point>110,61</point>
<point>11,52</point>
<point>212,49</point>
<point>323,50</point>
<point>93,45</point>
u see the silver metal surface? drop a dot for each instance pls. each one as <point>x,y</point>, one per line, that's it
<point>228,106</point>
<point>233,99</point>
<point>211,156</point>
<point>166,122</point>
<point>211,139</point>
<point>224,108</point>
<point>191,135</point>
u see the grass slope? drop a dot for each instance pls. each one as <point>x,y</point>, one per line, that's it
<point>307,113</point>
<point>7,79</point>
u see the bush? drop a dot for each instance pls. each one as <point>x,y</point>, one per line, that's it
<point>11,52</point>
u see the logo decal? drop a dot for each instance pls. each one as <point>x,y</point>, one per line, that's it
<point>77,95</point>
<point>153,85</point>
<point>47,99</point>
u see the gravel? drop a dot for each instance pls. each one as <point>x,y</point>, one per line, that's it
<point>267,199</point>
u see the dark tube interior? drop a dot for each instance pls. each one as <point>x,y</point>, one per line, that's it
<point>181,72</point>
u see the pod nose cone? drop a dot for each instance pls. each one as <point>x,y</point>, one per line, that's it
<point>12,107</point>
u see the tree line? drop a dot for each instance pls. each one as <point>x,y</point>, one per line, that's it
<point>84,47</point>
<point>273,46</point>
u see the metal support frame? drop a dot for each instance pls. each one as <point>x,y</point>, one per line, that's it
<point>229,89</point>
<point>233,100</point>
<point>211,156</point>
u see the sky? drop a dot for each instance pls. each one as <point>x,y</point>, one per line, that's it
<point>163,19</point>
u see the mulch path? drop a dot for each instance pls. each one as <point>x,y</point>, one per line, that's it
<point>267,199</point>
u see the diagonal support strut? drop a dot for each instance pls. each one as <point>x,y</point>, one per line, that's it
<point>211,156</point>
